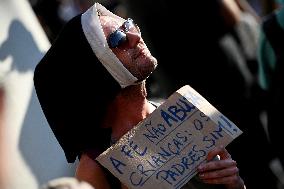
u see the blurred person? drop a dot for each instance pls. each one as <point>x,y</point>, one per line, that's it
<point>269,6</point>
<point>246,6</point>
<point>220,45</point>
<point>91,85</point>
<point>47,14</point>
<point>70,8</point>
<point>66,183</point>
<point>271,71</point>
<point>2,140</point>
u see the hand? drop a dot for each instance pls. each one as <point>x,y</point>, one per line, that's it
<point>223,171</point>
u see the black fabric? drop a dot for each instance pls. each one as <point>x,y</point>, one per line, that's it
<point>74,90</point>
<point>275,35</point>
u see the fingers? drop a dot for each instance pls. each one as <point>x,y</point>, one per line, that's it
<point>216,165</point>
<point>219,150</point>
<point>230,180</point>
<point>220,172</point>
<point>223,171</point>
<point>227,172</point>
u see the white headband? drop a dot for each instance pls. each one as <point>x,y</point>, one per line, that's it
<point>94,33</point>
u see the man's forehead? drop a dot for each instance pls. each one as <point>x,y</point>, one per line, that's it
<point>110,22</point>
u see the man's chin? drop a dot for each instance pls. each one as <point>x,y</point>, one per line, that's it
<point>148,72</point>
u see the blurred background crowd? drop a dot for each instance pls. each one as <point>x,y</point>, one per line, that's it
<point>212,45</point>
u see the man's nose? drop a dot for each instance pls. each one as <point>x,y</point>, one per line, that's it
<point>133,38</point>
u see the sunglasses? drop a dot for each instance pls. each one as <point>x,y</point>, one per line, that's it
<point>118,38</point>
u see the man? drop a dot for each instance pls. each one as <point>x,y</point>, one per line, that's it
<point>91,86</point>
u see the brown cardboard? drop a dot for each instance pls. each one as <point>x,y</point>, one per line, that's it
<point>163,150</point>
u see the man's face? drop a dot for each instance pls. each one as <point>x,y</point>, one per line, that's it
<point>130,49</point>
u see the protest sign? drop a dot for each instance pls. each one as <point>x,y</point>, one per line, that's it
<point>164,150</point>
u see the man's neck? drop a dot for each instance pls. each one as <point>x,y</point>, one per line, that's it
<point>128,109</point>
<point>132,103</point>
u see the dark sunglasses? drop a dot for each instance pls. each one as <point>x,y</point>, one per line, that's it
<point>118,37</point>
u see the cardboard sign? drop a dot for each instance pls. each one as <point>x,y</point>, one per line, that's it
<point>164,150</point>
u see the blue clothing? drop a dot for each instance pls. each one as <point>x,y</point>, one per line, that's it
<point>266,55</point>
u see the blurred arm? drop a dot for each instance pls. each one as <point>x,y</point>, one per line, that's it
<point>231,12</point>
<point>90,171</point>
<point>246,7</point>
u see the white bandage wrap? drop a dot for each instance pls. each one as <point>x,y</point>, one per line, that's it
<point>95,36</point>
